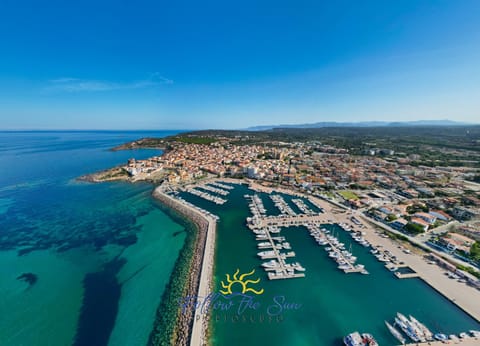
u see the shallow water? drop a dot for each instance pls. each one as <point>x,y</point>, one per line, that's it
<point>102,253</point>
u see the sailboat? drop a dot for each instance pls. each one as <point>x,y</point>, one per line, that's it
<point>395,333</point>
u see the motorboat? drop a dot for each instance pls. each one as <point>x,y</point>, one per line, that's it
<point>440,337</point>
<point>270,264</point>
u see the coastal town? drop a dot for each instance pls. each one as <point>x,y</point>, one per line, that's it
<point>419,218</point>
<point>438,205</point>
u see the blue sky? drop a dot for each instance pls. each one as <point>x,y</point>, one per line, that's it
<point>223,64</point>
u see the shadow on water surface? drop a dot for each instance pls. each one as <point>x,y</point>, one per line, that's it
<point>100,305</point>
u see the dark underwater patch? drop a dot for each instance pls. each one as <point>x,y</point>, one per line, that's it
<point>100,305</point>
<point>30,278</point>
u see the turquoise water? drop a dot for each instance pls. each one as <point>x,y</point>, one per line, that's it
<point>333,304</point>
<point>101,253</point>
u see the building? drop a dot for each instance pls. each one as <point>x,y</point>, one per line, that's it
<point>463,213</point>
<point>420,222</point>
<point>430,219</point>
<point>398,224</point>
<point>440,215</point>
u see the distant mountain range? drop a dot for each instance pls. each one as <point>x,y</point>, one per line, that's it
<point>360,124</point>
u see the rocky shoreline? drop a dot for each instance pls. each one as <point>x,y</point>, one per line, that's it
<point>143,143</point>
<point>184,322</point>
<point>111,174</point>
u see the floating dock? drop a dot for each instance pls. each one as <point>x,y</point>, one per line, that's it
<point>277,276</point>
<point>406,275</point>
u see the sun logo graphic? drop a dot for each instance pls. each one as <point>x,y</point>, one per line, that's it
<point>239,281</point>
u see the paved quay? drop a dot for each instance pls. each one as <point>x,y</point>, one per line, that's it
<point>200,321</point>
<point>464,296</point>
<point>462,342</point>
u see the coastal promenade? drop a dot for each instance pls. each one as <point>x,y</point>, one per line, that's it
<point>200,323</point>
<point>464,296</point>
<point>202,271</point>
<point>463,342</point>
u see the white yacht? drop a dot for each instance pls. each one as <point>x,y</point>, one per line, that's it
<point>271,264</point>
<point>266,253</point>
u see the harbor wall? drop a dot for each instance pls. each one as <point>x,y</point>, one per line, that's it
<point>185,320</point>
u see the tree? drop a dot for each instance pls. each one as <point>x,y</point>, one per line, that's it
<point>475,251</point>
<point>391,217</point>
<point>414,228</point>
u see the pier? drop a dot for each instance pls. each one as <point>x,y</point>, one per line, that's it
<point>221,186</point>
<point>282,205</point>
<point>406,275</point>
<point>277,268</point>
<point>287,221</point>
<point>344,258</point>
<point>207,196</point>
<point>256,206</point>
<point>302,206</point>
<point>214,190</point>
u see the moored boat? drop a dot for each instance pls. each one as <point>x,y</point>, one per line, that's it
<point>395,333</point>
<point>357,339</point>
<point>426,332</point>
<point>369,340</point>
<point>440,337</point>
<point>406,329</point>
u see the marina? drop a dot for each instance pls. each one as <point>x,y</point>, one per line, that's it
<point>336,250</point>
<point>275,244</point>
<point>220,185</point>
<point>283,206</point>
<point>277,267</point>
<point>335,293</point>
<point>215,190</point>
<point>302,206</point>
<point>207,196</point>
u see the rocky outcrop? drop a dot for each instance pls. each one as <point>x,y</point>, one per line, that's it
<point>112,174</point>
<point>157,143</point>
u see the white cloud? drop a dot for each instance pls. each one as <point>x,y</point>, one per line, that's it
<point>67,84</point>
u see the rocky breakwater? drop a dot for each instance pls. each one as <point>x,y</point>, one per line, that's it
<point>182,330</point>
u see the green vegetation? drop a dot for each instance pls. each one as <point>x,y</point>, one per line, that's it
<point>427,145</point>
<point>475,251</point>
<point>196,139</point>
<point>396,236</point>
<point>348,195</point>
<point>414,229</point>
<point>391,217</point>
<point>412,209</point>
<point>469,270</point>
<point>117,174</point>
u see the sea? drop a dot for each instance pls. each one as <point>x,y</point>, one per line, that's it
<point>81,263</point>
